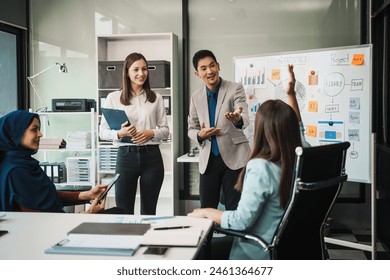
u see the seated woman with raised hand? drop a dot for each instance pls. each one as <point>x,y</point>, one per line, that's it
<point>289,88</point>
<point>24,186</point>
<point>266,180</point>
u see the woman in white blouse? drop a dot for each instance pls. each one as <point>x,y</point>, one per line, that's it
<point>139,158</point>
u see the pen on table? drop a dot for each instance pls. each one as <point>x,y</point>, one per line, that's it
<point>166,228</point>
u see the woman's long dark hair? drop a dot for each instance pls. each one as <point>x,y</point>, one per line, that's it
<point>276,137</point>
<point>126,95</point>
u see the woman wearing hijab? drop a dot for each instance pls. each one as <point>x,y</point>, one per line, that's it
<point>24,186</point>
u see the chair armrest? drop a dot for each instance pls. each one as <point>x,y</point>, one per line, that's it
<point>244,235</point>
<point>322,184</point>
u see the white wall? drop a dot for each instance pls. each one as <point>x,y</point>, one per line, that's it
<point>247,27</point>
<point>65,31</point>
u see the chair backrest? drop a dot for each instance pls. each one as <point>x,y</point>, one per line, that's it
<point>318,177</point>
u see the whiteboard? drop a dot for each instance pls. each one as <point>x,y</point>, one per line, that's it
<point>333,89</point>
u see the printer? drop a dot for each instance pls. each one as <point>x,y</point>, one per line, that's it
<point>73,105</point>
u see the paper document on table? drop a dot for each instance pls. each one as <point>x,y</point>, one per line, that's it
<point>96,244</point>
<point>187,237</point>
<point>102,241</point>
<point>115,239</point>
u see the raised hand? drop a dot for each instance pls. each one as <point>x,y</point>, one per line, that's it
<point>290,85</point>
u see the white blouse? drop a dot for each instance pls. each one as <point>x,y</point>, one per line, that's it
<point>144,115</point>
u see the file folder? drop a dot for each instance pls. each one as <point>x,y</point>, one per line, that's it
<point>112,239</point>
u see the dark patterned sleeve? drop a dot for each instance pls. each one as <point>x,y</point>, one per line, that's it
<point>69,198</point>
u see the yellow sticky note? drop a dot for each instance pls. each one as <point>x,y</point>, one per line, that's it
<point>313,106</point>
<point>312,131</point>
<point>275,74</point>
<point>358,59</point>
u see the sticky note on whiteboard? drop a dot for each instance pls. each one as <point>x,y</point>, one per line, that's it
<point>275,74</point>
<point>312,131</point>
<point>313,106</point>
<point>358,59</point>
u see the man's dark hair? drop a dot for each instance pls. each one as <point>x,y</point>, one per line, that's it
<point>202,54</point>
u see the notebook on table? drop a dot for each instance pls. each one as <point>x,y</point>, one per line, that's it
<point>110,229</point>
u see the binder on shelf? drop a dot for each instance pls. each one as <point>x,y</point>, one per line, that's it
<point>55,171</point>
<point>58,172</point>
<point>167,104</point>
<point>43,164</point>
<point>49,171</point>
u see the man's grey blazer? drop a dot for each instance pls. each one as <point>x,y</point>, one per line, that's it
<point>232,143</point>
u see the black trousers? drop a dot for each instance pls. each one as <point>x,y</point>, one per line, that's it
<point>217,183</point>
<point>144,163</point>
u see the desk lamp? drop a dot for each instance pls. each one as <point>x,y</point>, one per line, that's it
<point>61,68</point>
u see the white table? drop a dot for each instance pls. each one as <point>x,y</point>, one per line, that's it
<point>30,234</point>
<point>186,158</point>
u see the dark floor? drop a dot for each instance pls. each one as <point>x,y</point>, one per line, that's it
<point>337,252</point>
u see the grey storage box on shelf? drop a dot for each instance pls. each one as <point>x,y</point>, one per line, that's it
<point>159,73</point>
<point>110,74</point>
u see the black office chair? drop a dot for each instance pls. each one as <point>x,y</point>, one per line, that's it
<point>318,177</point>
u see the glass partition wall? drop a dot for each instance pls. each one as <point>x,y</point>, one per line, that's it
<point>65,32</point>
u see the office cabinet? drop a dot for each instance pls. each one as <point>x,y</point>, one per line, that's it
<point>79,155</point>
<point>160,49</point>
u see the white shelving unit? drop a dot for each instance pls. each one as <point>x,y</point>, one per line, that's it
<point>156,46</point>
<point>56,125</point>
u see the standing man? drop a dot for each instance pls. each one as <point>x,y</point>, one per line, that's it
<point>218,115</point>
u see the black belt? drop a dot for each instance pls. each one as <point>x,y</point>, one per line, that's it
<point>143,148</point>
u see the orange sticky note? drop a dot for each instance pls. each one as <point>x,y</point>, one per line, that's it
<point>313,106</point>
<point>275,74</point>
<point>358,59</point>
<point>312,131</point>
